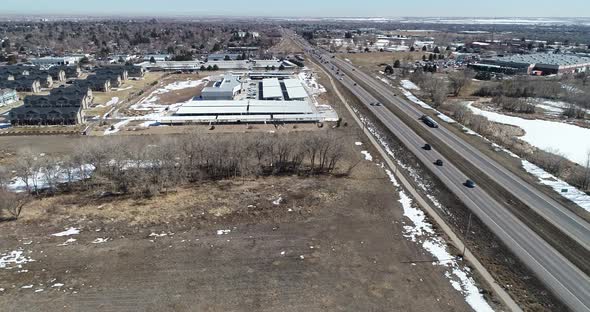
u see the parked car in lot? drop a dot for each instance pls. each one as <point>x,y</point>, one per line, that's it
<point>470,184</point>
<point>427,147</point>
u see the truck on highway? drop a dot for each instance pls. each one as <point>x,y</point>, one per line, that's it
<point>429,121</point>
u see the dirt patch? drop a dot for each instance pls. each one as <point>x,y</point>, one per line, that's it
<point>327,244</point>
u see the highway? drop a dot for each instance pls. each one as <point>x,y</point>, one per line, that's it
<point>562,277</point>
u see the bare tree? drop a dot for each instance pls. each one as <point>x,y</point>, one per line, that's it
<point>11,204</point>
<point>460,80</point>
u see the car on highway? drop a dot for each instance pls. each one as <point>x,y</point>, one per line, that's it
<point>377,104</point>
<point>427,147</point>
<point>355,84</point>
<point>470,184</point>
<point>438,162</point>
<point>429,121</point>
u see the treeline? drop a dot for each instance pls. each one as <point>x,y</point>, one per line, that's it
<point>510,94</point>
<point>126,165</point>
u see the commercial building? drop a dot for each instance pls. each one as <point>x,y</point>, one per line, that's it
<point>224,56</point>
<point>52,61</point>
<point>224,89</point>
<point>244,111</point>
<point>271,89</point>
<point>539,63</point>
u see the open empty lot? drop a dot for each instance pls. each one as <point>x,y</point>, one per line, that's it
<point>268,244</point>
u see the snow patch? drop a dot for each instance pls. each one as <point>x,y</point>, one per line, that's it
<point>408,85</point>
<point>278,201</point>
<point>67,242</point>
<point>68,232</point>
<point>223,232</point>
<point>547,135</point>
<point>367,155</point>
<point>558,185</point>
<point>100,240</point>
<point>13,259</point>
<point>414,99</point>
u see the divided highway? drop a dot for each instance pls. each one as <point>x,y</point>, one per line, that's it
<point>568,282</point>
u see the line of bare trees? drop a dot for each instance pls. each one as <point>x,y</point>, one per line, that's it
<point>132,165</point>
<point>435,88</point>
<point>515,105</point>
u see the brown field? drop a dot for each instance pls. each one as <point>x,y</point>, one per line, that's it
<point>331,243</point>
<point>370,61</point>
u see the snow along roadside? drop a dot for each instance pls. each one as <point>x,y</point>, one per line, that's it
<point>499,291</point>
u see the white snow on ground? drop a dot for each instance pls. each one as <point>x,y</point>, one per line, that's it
<point>414,99</point>
<point>77,174</point>
<point>67,242</point>
<point>367,155</point>
<point>68,232</point>
<point>13,259</point>
<point>384,80</point>
<point>100,240</point>
<point>408,85</point>
<point>116,127</point>
<point>421,231</point>
<point>547,135</point>
<point>558,185</point>
<point>158,235</point>
<point>278,201</point>
<point>112,102</point>
<point>310,82</point>
<point>446,118</point>
<point>223,232</point>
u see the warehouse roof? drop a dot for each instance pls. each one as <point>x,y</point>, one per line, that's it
<point>271,88</point>
<point>250,107</point>
<point>545,58</point>
<point>295,89</point>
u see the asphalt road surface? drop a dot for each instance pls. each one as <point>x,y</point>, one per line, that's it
<point>568,282</point>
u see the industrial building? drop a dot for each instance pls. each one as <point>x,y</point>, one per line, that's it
<point>538,63</point>
<point>244,111</point>
<point>52,61</point>
<point>224,89</point>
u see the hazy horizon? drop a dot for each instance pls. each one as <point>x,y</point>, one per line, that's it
<point>302,8</point>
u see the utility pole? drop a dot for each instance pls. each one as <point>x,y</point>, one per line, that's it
<point>466,235</point>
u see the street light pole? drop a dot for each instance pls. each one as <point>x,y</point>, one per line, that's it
<point>466,235</point>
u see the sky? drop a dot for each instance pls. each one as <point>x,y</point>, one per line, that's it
<point>302,8</point>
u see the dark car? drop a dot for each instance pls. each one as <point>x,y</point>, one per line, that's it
<point>377,104</point>
<point>372,104</point>
<point>427,147</point>
<point>438,162</point>
<point>355,83</point>
<point>470,184</point>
